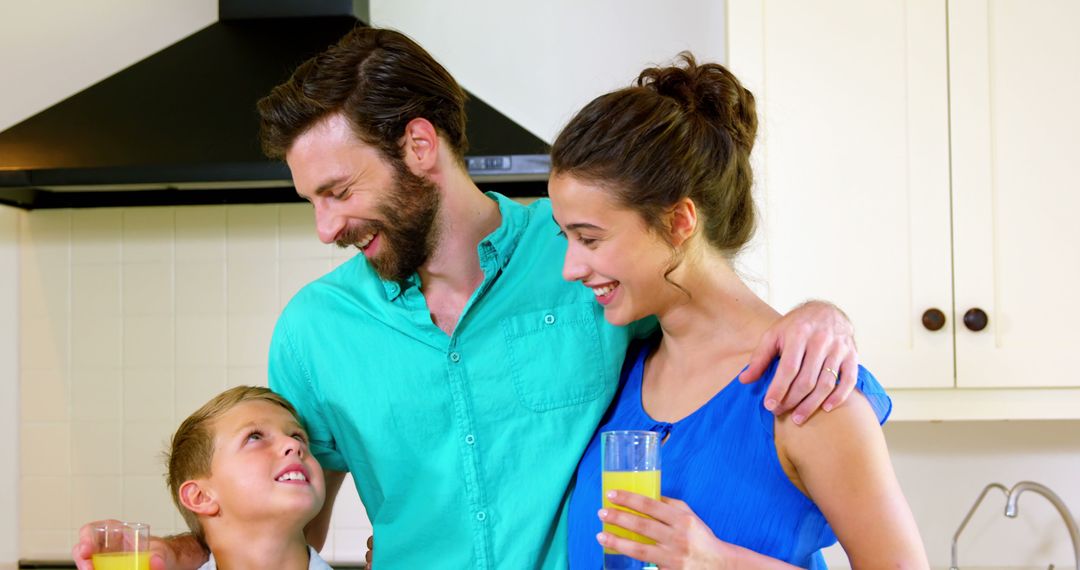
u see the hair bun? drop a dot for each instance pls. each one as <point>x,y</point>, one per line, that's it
<point>709,91</point>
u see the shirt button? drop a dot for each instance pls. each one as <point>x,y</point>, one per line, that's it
<point>469,439</point>
<point>549,319</point>
<point>454,357</point>
<point>481,515</point>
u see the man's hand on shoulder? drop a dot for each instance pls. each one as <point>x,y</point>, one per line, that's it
<point>818,360</point>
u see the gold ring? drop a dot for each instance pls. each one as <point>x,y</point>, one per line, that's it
<point>833,372</point>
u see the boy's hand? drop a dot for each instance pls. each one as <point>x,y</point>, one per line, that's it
<point>818,362</point>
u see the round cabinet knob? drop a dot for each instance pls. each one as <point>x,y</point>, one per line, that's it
<point>933,319</point>
<point>975,319</point>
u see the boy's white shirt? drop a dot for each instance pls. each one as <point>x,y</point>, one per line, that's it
<point>315,562</point>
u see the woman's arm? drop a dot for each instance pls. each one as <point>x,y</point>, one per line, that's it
<point>841,462</point>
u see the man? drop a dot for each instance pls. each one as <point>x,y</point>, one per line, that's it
<point>449,368</point>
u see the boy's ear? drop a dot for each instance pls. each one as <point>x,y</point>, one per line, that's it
<point>196,497</point>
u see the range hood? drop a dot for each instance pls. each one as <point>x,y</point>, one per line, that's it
<point>180,127</point>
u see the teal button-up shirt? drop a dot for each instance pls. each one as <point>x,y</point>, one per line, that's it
<point>463,446</point>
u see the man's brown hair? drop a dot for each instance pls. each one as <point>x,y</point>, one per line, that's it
<point>379,80</point>
<point>192,448</point>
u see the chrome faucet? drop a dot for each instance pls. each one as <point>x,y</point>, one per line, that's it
<point>1012,498</point>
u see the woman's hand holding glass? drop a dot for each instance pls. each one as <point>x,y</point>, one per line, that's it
<point>682,540</point>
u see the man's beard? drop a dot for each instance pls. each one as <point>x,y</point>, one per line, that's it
<point>407,228</point>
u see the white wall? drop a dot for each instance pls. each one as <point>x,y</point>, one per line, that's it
<point>540,61</point>
<point>52,50</point>
<point>9,385</point>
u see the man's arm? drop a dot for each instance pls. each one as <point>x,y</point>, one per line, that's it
<point>818,361</point>
<point>319,527</point>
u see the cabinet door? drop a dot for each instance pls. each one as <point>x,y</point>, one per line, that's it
<point>852,169</point>
<point>1015,80</point>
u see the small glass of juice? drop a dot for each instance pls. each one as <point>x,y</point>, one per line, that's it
<point>631,462</point>
<point>122,546</point>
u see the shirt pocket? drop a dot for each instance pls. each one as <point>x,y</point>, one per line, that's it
<point>556,357</point>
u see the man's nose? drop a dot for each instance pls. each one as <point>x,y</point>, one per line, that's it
<point>327,223</point>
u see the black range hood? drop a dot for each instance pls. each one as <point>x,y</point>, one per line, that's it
<point>180,127</point>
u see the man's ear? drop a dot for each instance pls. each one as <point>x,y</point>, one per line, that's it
<point>682,221</point>
<point>421,146</point>
<point>196,497</point>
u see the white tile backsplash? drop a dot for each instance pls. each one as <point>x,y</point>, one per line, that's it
<point>95,497</point>
<point>251,233</point>
<point>97,448</point>
<point>97,394</point>
<point>44,394</point>
<point>131,319</point>
<point>252,286</point>
<point>200,287</point>
<point>147,235</point>
<point>147,394</point>
<point>146,500</point>
<point>298,237</point>
<point>95,290</point>
<point>39,458</point>
<point>44,342</point>
<point>149,342</point>
<point>96,342</point>
<point>248,338</point>
<point>148,289</point>
<point>200,340</point>
<point>45,502</point>
<point>45,284</point>
<point>200,233</point>
<point>95,235</point>
<point>144,443</point>
<point>195,385</point>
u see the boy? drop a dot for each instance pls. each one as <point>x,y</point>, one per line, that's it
<point>240,472</point>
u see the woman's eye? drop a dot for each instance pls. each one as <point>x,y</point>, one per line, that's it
<point>586,241</point>
<point>560,233</point>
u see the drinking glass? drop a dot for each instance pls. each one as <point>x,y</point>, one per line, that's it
<point>121,546</point>
<point>630,462</point>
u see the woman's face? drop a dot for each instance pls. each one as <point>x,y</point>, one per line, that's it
<point>610,250</point>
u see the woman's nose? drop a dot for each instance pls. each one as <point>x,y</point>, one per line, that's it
<point>573,268</point>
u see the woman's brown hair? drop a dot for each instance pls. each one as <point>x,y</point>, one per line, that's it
<point>684,131</point>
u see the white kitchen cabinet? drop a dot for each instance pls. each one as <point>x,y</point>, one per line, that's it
<point>914,155</point>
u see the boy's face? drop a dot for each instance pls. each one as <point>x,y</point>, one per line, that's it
<point>261,465</point>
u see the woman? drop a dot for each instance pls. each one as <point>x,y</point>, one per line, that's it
<point>652,187</point>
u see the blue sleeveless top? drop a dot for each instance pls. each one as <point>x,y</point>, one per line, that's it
<point>722,461</point>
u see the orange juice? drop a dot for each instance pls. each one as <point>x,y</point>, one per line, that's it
<point>641,482</point>
<point>122,561</point>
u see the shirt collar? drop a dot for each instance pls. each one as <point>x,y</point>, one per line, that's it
<point>494,250</point>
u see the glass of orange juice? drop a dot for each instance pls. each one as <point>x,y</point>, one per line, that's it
<point>630,462</point>
<point>122,546</point>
